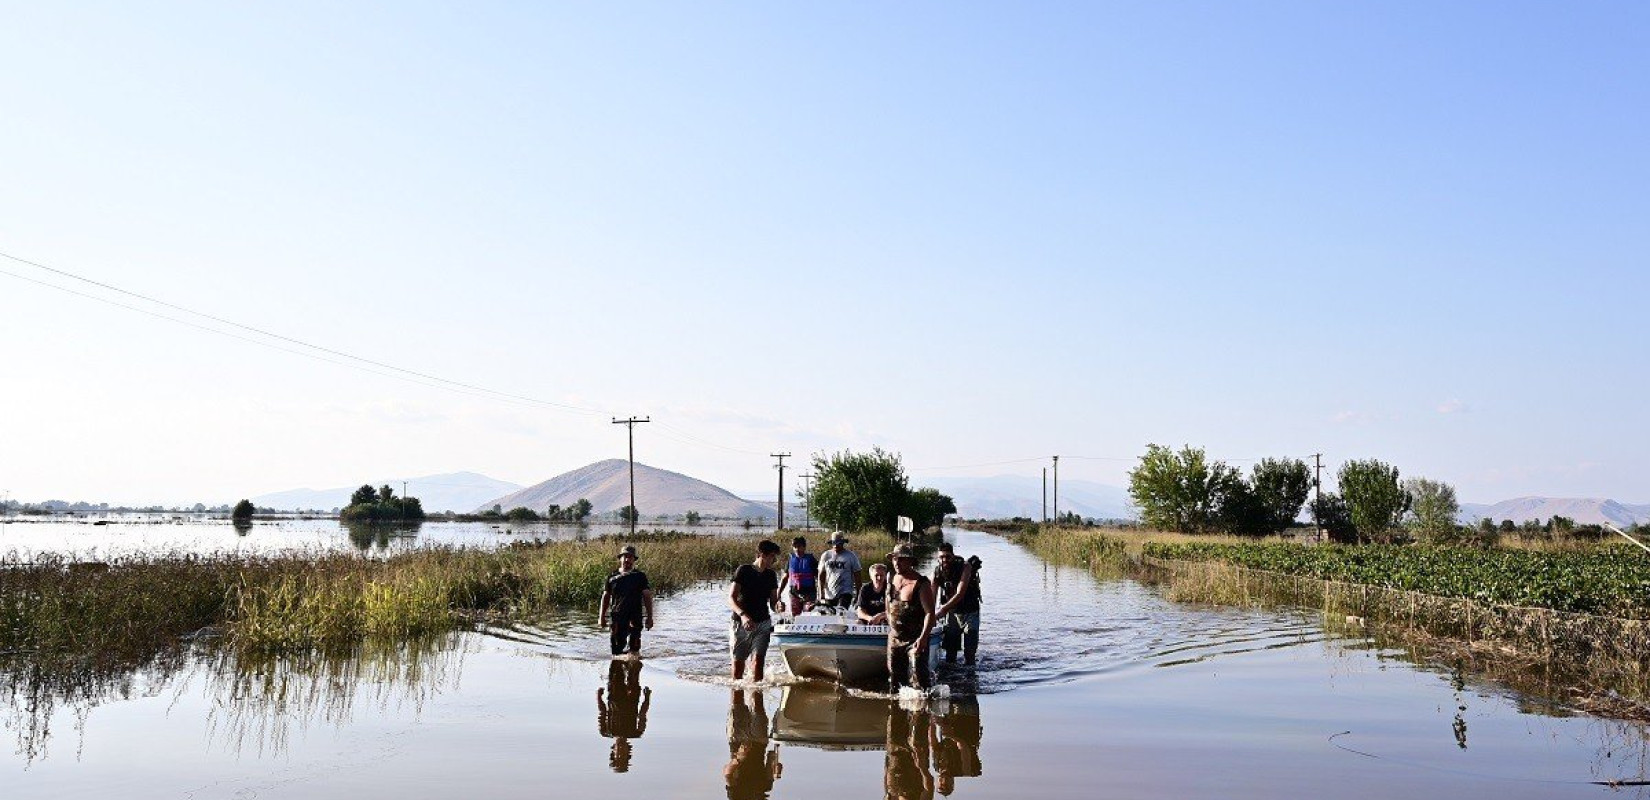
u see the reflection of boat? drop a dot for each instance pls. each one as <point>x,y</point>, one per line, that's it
<point>824,716</point>
<point>837,648</point>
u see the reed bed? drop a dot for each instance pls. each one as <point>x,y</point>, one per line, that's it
<point>129,610</point>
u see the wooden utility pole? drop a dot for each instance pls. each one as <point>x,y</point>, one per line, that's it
<point>1057,490</point>
<point>1317,492</point>
<point>403,504</point>
<point>630,425</point>
<point>1045,495</point>
<point>807,500</point>
<point>781,468</point>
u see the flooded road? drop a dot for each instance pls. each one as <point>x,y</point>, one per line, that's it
<point>1085,688</point>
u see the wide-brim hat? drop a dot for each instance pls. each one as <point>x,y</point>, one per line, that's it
<point>628,550</point>
<point>903,551</point>
<point>838,538</point>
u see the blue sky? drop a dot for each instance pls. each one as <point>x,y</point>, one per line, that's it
<point>969,233</point>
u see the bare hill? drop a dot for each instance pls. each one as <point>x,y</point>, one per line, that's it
<point>1584,510</point>
<point>606,484</point>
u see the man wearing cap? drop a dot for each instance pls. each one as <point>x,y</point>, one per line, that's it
<point>910,621</point>
<point>837,569</point>
<point>753,591</point>
<point>630,602</point>
<point>801,581</point>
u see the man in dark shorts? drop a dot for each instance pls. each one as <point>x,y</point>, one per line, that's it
<point>754,590</point>
<point>910,621</point>
<point>630,602</point>
<point>959,594</point>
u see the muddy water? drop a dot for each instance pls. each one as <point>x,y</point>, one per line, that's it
<point>1085,688</point>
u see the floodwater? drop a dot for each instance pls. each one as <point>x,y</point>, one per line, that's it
<point>96,538</point>
<point>1086,688</point>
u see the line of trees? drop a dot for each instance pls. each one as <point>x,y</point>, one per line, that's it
<point>1183,490</point>
<point>855,491</point>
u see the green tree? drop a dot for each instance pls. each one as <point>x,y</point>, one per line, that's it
<point>521,514</point>
<point>928,507</point>
<point>854,491</point>
<point>1330,512</point>
<point>1280,486</point>
<point>366,495</point>
<point>692,518</point>
<point>1240,510</point>
<point>1179,491</point>
<point>581,510</point>
<point>385,493</point>
<point>1433,510</point>
<point>628,514</point>
<point>243,510</point>
<point>1373,497</point>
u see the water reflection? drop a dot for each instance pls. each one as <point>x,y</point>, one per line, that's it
<point>926,747</point>
<point>752,765</point>
<point>367,536</point>
<point>621,713</point>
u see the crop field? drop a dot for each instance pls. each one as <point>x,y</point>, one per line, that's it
<point>1610,581</point>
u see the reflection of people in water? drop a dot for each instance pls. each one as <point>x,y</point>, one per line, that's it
<point>622,714</point>
<point>956,743</point>
<point>905,767</point>
<point>752,767</point>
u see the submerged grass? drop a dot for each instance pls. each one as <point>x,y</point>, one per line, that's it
<point>129,610</point>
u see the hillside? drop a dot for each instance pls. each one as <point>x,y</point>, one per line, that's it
<point>1584,510</point>
<point>606,484</point>
<point>453,491</point>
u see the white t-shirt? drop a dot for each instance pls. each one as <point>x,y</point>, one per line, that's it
<point>836,573</point>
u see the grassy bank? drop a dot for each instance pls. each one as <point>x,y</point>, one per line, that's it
<point>127,609</point>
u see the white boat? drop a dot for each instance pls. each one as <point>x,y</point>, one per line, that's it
<point>835,647</point>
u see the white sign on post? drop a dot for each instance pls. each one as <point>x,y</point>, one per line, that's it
<point>905,525</point>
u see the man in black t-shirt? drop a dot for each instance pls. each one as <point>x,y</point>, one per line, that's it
<point>754,590</point>
<point>630,601</point>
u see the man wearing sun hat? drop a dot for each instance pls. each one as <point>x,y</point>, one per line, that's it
<point>630,600</point>
<point>910,621</point>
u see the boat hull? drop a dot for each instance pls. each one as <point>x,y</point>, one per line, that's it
<point>830,649</point>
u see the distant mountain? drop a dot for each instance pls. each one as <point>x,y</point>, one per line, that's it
<point>454,491</point>
<point>606,484</point>
<point>1584,510</point>
<point>1004,496</point>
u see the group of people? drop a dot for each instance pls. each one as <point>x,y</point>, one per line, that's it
<point>909,603</point>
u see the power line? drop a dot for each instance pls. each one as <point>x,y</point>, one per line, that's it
<point>273,335</point>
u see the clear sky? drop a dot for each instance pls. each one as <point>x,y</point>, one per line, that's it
<point>969,233</point>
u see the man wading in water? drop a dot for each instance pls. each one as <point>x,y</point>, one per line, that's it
<point>630,600</point>
<point>910,621</point>
<point>754,590</point>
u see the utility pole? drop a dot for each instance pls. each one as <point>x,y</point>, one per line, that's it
<point>1317,492</point>
<point>781,468</point>
<point>403,504</point>
<point>1045,495</point>
<point>630,425</point>
<point>807,500</point>
<point>1057,490</point>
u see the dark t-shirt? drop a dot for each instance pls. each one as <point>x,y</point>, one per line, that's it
<point>626,589</point>
<point>946,581</point>
<point>870,600</point>
<point>756,588</point>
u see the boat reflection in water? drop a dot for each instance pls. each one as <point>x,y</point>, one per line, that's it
<point>752,765</point>
<point>621,715</point>
<point>928,747</point>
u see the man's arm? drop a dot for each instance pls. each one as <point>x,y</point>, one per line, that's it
<point>607,601</point>
<point>647,608</point>
<point>962,591</point>
<point>927,596</point>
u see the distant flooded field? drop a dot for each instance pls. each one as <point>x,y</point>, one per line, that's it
<point>116,535</point>
<point>1086,687</point>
